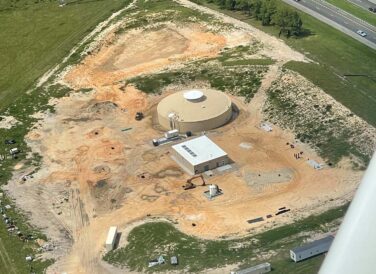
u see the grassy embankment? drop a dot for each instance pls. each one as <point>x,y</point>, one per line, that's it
<point>335,55</point>
<point>150,240</point>
<point>229,72</point>
<point>34,36</point>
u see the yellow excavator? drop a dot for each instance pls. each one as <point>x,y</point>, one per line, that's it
<point>189,184</point>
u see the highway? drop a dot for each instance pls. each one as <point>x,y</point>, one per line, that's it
<point>338,19</point>
<point>365,4</point>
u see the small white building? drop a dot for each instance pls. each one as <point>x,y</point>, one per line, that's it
<point>258,269</point>
<point>199,155</point>
<point>111,238</point>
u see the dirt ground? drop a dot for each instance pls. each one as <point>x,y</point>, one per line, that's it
<point>140,51</point>
<point>100,169</point>
<point>7,121</point>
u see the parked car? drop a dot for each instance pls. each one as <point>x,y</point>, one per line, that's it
<point>10,141</point>
<point>361,33</point>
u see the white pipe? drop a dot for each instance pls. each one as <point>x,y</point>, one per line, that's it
<point>354,248</point>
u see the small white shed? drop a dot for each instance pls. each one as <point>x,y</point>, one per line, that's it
<point>111,238</point>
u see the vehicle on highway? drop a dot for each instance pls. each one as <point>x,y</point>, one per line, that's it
<point>361,33</point>
<point>372,9</point>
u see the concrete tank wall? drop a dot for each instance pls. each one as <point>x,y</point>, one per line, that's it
<point>198,126</point>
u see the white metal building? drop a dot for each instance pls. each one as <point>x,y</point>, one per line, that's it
<point>199,155</point>
<point>111,238</point>
<point>258,269</point>
<point>311,249</point>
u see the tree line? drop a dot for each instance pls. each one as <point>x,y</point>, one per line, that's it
<point>269,12</point>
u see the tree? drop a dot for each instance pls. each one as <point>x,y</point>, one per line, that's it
<point>295,24</point>
<point>267,10</point>
<point>243,5</point>
<point>288,20</point>
<point>230,4</point>
<point>255,7</point>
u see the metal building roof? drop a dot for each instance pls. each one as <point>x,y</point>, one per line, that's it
<point>319,243</point>
<point>199,150</point>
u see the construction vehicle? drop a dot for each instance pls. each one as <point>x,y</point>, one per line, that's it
<point>189,184</point>
<point>139,116</point>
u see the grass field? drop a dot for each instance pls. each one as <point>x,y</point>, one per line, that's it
<point>150,240</point>
<point>35,37</point>
<point>355,10</point>
<point>336,55</point>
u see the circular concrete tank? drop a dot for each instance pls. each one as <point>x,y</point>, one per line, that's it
<point>194,110</point>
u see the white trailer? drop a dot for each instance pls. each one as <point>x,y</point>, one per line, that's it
<point>312,249</point>
<point>258,269</point>
<point>111,238</point>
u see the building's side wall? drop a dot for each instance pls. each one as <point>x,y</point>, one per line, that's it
<point>199,125</point>
<point>109,246</point>
<point>220,161</point>
<point>252,270</point>
<point>183,162</point>
<point>312,252</point>
<point>292,255</point>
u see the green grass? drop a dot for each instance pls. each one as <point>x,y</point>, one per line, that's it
<point>337,54</point>
<point>354,10</point>
<point>326,131</point>
<point>230,72</point>
<point>35,37</point>
<point>150,240</point>
<point>13,253</point>
<point>248,62</point>
<point>157,11</point>
<point>340,87</point>
<point>12,246</point>
<point>241,77</point>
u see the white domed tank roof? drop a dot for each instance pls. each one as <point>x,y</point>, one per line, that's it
<point>194,110</point>
<point>193,95</point>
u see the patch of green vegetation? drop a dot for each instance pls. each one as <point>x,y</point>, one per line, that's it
<point>268,12</point>
<point>249,62</point>
<point>149,13</point>
<point>230,72</point>
<point>13,251</point>
<point>242,80</point>
<point>151,240</point>
<point>316,124</point>
<point>47,36</point>
<point>22,107</point>
<point>48,32</point>
<point>336,53</point>
<point>354,10</point>
<point>339,87</point>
